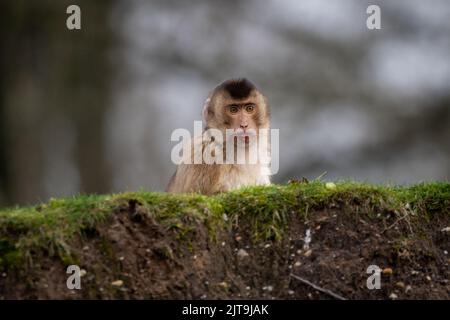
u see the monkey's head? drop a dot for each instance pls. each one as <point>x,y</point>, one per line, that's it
<point>238,105</point>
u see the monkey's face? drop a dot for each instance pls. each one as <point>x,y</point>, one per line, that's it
<point>241,117</point>
<point>236,107</point>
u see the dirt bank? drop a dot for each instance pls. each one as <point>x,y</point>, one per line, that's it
<point>220,249</point>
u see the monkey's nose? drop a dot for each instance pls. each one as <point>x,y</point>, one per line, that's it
<point>244,126</point>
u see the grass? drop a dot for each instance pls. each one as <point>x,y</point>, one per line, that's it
<point>49,228</point>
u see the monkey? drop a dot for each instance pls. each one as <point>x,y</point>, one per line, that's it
<point>234,106</point>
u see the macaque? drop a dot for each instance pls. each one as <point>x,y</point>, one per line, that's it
<point>237,110</point>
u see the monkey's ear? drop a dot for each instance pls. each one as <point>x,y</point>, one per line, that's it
<point>205,112</point>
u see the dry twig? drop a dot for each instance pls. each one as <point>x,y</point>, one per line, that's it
<point>326,291</point>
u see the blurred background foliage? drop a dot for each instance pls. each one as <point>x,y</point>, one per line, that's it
<point>92,110</point>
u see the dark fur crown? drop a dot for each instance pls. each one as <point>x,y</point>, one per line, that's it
<point>237,88</point>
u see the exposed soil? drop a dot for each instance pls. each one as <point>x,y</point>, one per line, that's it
<point>153,262</point>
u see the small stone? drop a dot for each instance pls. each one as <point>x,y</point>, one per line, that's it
<point>297,264</point>
<point>446,229</point>
<point>307,253</point>
<point>268,288</point>
<point>4,275</point>
<point>291,292</point>
<point>445,252</point>
<point>247,288</point>
<point>414,272</point>
<point>85,248</point>
<point>299,251</point>
<point>121,258</point>
<point>400,284</point>
<point>330,186</point>
<point>387,271</point>
<point>242,254</point>
<point>267,246</point>
<point>225,217</point>
<point>117,283</point>
<point>408,288</point>
<point>428,278</point>
<point>223,244</point>
<point>223,284</point>
<point>393,296</point>
<point>194,257</point>
<point>82,272</point>
<point>238,238</point>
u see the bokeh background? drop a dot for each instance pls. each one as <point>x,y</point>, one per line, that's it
<point>91,111</point>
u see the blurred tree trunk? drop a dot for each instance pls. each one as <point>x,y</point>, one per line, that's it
<point>3,133</point>
<point>54,93</point>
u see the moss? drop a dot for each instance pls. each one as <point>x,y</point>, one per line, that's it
<point>9,255</point>
<point>49,228</point>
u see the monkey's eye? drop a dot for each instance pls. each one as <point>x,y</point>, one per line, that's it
<point>249,108</point>
<point>234,109</point>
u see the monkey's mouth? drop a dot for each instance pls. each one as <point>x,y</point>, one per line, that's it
<point>244,136</point>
